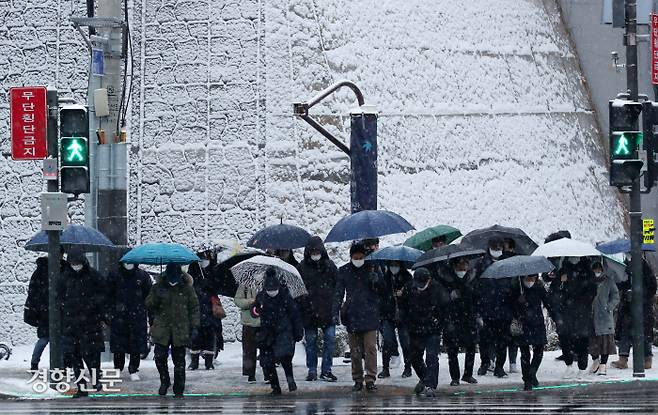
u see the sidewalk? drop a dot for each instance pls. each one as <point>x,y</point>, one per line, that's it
<point>227,379</point>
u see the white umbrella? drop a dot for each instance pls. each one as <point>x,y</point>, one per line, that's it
<point>566,247</point>
<point>251,273</point>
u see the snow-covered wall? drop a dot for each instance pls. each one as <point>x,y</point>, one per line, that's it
<point>484,119</point>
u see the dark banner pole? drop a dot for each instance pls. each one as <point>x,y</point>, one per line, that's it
<point>363,158</point>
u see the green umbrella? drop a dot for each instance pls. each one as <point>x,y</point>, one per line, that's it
<point>423,239</point>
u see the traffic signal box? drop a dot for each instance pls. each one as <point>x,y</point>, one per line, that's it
<point>74,149</point>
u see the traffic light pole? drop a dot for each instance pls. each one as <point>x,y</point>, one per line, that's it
<point>54,252</point>
<point>630,41</point>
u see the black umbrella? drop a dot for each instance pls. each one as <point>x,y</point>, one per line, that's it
<point>280,237</point>
<point>446,253</point>
<point>518,266</point>
<point>480,238</point>
<point>81,237</point>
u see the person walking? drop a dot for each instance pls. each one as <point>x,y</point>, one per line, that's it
<point>459,286</point>
<point>602,341</point>
<point>421,305</point>
<point>128,287</point>
<point>624,326</point>
<point>361,286</point>
<point>530,295</point>
<point>175,309</point>
<point>577,290</point>
<point>83,303</point>
<point>35,312</point>
<point>281,327</point>
<point>245,299</point>
<point>319,274</point>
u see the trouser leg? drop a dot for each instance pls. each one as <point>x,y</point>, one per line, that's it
<point>582,344</point>
<point>286,364</point>
<point>160,353</point>
<point>432,351</point>
<point>39,347</point>
<point>390,347</point>
<point>537,356</point>
<point>604,359</point>
<point>403,333</point>
<point>356,354</point>
<point>513,351</point>
<point>269,367</point>
<point>311,347</point>
<point>249,350</point>
<point>625,343</point>
<point>485,343</point>
<point>329,344</point>
<point>502,342</point>
<point>119,360</point>
<point>568,349</point>
<point>469,361</point>
<point>133,365</point>
<point>526,370</point>
<point>453,362</point>
<point>370,352</point>
<point>417,348</point>
<point>93,362</point>
<point>178,357</point>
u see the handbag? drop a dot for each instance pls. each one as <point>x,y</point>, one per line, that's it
<point>217,310</point>
<point>516,328</point>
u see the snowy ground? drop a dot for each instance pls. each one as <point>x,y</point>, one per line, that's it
<point>226,379</point>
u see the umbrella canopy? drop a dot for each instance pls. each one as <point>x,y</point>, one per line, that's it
<point>615,269</point>
<point>446,253</point>
<point>518,266</point>
<point>479,238</point>
<point>395,253</point>
<point>621,246</point>
<point>280,237</point>
<point>566,248</point>
<point>368,224</point>
<point>423,239</point>
<point>251,273</point>
<point>222,279</point>
<point>80,237</point>
<point>160,254</point>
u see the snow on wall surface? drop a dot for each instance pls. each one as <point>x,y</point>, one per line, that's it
<point>483,119</point>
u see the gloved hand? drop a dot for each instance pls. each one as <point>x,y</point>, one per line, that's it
<point>479,322</point>
<point>454,295</point>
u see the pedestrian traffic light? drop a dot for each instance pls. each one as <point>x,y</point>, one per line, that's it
<point>74,149</point>
<point>625,140</point>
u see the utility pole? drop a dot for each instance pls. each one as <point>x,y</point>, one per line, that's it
<point>630,41</point>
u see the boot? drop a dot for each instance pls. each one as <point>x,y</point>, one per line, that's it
<point>527,386</point>
<point>208,360</point>
<point>407,371</point>
<point>276,390</point>
<point>595,366</point>
<point>603,369</point>
<point>384,373</point>
<point>292,386</point>
<point>419,388</point>
<point>34,366</point>
<point>194,363</point>
<point>622,363</point>
<point>648,362</point>
<point>469,379</point>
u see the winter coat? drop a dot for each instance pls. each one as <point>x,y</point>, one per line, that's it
<point>126,293</point>
<point>244,299</point>
<point>624,318</point>
<point>361,288</point>
<point>175,311</point>
<point>392,284</point>
<point>320,281</point>
<point>423,312</point>
<point>576,296</point>
<point>36,305</point>
<point>281,324</point>
<point>203,287</point>
<point>83,303</point>
<point>460,325</point>
<point>495,296</point>
<point>528,310</point>
<point>603,307</point>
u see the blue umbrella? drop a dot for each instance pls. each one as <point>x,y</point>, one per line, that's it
<point>160,254</point>
<point>368,224</point>
<point>279,237</point>
<point>81,237</point>
<point>621,246</point>
<point>396,253</point>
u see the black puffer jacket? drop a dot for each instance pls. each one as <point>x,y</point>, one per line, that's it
<point>84,307</point>
<point>127,290</point>
<point>391,284</point>
<point>576,296</point>
<point>423,311</point>
<point>36,305</point>
<point>204,289</point>
<point>460,294</point>
<point>320,280</point>
<point>624,319</point>
<point>361,288</point>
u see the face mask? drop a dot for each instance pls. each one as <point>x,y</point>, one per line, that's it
<point>528,284</point>
<point>495,254</point>
<point>205,263</point>
<point>358,262</point>
<point>272,293</point>
<point>573,260</point>
<point>460,274</point>
<point>76,267</point>
<point>598,274</point>
<point>173,283</point>
<point>423,288</point>
<point>316,258</point>
<point>129,266</point>
<point>394,269</point>
<point>185,268</point>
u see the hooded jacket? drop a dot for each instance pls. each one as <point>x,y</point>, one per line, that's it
<point>460,327</point>
<point>175,311</point>
<point>320,280</point>
<point>36,304</point>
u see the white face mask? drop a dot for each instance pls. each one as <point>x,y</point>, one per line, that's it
<point>528,284</point>
<point>358,262</point>
<point>129,266</point>
<point>272,293</point>
<point>173,283</point>
<point>495,254</point>
<point>395,269</point>
<point>185,268</point>
<point>427,284</point>
<point>316,258</point>
<point>598,274</point>
<point>76,267</point>
<point>205,263</point>
<point>461,274</point>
